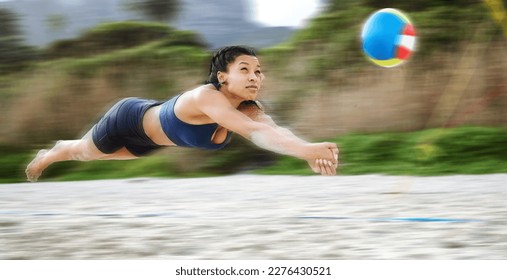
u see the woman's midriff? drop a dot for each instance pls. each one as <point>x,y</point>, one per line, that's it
<point>153,128</point>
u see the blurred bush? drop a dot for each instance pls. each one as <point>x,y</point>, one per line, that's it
<point>463,150</point>
<point>13,162</point>
<point>156,10</point>
<point>108,37</point>
<point>14,54</point>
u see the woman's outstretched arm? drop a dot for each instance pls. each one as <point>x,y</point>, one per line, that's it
<point>256,113</point>
<point>267,135</point>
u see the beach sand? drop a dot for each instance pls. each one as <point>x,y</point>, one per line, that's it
<point>367,217</point>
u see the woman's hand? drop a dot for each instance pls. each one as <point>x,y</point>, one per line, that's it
<point>324,161</point>
<point>324,167</point>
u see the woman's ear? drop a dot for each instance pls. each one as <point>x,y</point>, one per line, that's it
<point>222,77</point>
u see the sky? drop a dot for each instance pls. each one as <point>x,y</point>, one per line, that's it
<point>277,12</point>
<point>285,12</point>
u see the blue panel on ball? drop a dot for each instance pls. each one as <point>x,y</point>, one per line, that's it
<point>380,35</point>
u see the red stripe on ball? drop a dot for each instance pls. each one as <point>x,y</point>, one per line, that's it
<point>409,30</point>
<point>403,53</point>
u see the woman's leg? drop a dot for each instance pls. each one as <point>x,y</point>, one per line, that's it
<point>82,150</point>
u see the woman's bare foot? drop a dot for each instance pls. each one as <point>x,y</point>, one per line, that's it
<point>34,168</point>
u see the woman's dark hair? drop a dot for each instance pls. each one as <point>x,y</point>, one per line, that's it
<point>222,58</point>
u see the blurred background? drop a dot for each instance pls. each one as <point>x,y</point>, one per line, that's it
<point>62,62</point>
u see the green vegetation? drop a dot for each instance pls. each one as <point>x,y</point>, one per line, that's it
<point>464,150</point>
<point>15,55</point>
<point>13,162</point>
<point>152,54</point>
<point>112,36</point>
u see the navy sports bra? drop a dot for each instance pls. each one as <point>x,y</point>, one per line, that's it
<point>188,135</point>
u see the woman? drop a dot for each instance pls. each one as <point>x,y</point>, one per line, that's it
<point>203,117</point>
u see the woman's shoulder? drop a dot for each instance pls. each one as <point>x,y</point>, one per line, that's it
<point>202,90</point>
<point>197,92</point>
<point>206,94</point>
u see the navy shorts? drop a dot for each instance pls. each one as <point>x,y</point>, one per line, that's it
<point>122,126</point>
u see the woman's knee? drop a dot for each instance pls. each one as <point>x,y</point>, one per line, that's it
<point>88,150</point>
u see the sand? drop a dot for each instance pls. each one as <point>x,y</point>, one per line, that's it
<point>368,217</point>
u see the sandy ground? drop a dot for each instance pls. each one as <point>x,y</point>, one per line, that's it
<point>257,217</point>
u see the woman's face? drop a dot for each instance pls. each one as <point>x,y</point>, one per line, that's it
<point>244,77</point>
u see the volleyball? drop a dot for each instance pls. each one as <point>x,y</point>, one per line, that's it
<point>388,37</point>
